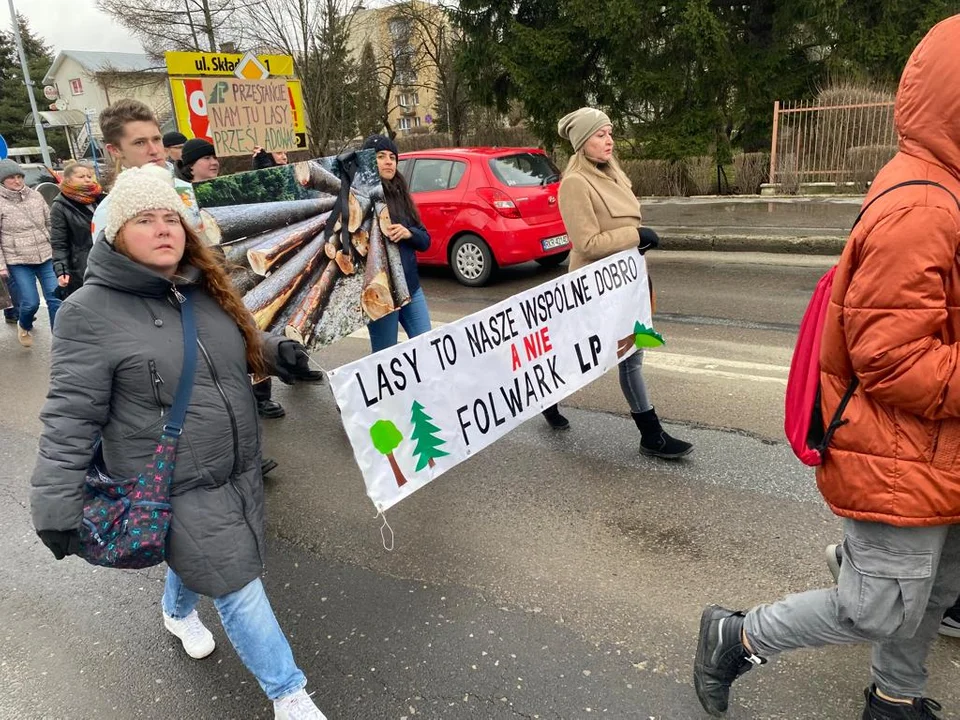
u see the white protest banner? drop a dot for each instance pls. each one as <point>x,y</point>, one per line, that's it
<point>416,410</point>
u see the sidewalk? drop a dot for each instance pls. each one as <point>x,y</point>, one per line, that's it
<point>809,225</point>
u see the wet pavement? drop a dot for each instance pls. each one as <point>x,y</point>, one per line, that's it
<point>554,575</point>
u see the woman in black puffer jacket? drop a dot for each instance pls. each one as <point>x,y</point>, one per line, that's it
<point>70,218</point>
<point>116,361</point>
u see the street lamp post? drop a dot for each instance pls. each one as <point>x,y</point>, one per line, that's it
<point>29,83</point>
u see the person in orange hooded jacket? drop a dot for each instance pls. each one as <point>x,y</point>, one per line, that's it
<point>892,471</point>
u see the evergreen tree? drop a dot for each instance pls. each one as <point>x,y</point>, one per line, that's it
<point>425,435</point>
<point>368,102</point>
<point>15,104</point>
<point>683,78</point>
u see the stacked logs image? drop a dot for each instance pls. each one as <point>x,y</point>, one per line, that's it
<point>287,262</point>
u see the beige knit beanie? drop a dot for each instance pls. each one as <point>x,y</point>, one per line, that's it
<point>145,188</point>
<point>578,126</point>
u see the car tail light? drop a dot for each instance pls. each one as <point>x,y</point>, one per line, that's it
<point>500,202</point>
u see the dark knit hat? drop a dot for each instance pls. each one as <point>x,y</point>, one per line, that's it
<point>172,139</point>
<point>380,142</point>
<point>8,168</point>
<point>195,149</point>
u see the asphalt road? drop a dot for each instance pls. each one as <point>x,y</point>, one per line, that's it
<point>554,575</point>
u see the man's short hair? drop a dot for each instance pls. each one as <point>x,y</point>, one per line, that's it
<point>114,119</point>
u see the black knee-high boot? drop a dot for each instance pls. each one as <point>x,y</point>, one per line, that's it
<point>657,442</point>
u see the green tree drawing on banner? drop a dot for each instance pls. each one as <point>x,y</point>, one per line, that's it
<point>386,438</point>
<point>424,433</point>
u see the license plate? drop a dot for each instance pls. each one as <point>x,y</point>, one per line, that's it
<point>555,242</point>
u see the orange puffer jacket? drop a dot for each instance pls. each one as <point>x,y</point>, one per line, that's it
<point>894,317</point>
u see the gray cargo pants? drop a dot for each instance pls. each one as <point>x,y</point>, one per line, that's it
<point>895,584</point>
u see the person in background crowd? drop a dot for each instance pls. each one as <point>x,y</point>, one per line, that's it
<point>263,159</point>
<point>603,217</point>
<point>25,251</point>
<point>132,136</point>
<point>71,217</point>
<point>263,389</point>
<point>124,326</point>
<point>173,143</point>
<point>409,234</point>
<point>198,162</point>
<point>11,313</point>
<point>891,337</point>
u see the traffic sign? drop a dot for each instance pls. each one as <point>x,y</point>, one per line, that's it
<point>3,148</point>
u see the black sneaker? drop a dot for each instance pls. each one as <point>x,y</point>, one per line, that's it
<point>879,709</point>
<point>11,319</point>
<point>950,625</point>
<point>721,657</point>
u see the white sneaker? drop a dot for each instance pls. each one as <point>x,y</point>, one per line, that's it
<point>196,639</point>
<point>298,706</point>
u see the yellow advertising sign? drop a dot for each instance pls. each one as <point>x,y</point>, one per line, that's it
<point>197,63</point>
<point>190,108</point>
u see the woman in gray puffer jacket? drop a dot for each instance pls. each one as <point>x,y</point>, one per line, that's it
<point>116,361</point>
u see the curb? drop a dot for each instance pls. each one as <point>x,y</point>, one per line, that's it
<point>798,245</point>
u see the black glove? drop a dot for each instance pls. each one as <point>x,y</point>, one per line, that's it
<point>649,240</point>
<point>293,363</point>
<point>61,542</point>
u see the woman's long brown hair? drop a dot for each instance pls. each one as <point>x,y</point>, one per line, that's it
<point>399,201</point>
<point>216,282</point>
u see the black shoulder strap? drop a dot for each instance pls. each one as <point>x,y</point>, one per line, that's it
<point>906,183</point>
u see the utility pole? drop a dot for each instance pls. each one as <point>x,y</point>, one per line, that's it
<point>29,83</point>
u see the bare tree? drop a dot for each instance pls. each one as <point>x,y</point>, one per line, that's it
<point>178,24</point>
<point>435,41</point>
<point>316,34</point>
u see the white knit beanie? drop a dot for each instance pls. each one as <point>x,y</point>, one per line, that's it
<point>578,126</point>
<point>145,188</point>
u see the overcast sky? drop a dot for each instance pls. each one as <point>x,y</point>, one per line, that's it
<point>71,25</point>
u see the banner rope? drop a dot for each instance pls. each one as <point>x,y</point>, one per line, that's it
<point>384,529</point>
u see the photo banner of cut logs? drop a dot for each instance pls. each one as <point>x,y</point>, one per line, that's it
<point>416,410</point>
<point>308,244</point>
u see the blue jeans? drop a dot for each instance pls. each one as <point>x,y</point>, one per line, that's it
<point>25,277</point>
<point>414,316</point>
<point>253,630</point>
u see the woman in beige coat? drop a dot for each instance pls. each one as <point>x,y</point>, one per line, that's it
<point>602,216</point>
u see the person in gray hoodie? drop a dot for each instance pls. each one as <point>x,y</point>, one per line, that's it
<point>116,360</point>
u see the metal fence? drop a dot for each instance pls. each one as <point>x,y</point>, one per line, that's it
<point>830,143</point>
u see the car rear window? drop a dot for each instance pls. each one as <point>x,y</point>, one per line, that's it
<point>524,169</point>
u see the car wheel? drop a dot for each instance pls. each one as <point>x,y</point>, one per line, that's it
<point>472,261</point>
<point>550,261</point>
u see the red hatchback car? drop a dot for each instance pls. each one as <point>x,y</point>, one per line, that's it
<point>486,208</point>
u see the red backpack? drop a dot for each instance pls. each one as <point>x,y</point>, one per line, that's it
<point>803,421</point>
